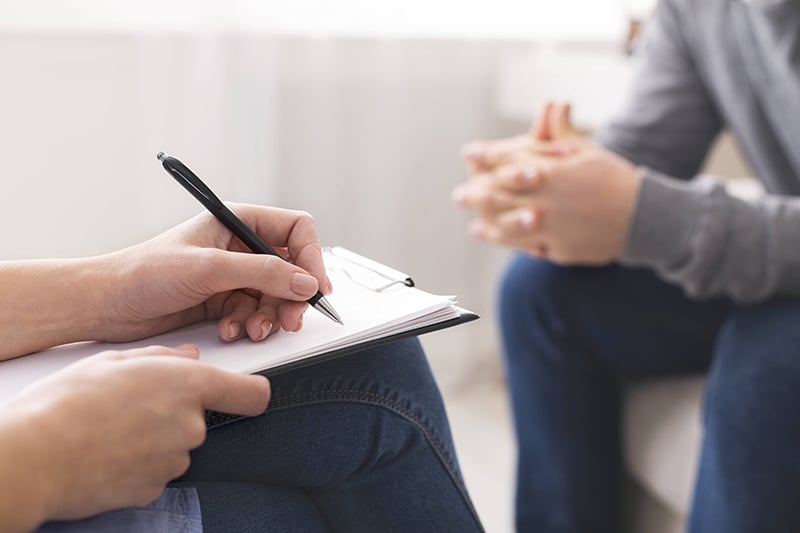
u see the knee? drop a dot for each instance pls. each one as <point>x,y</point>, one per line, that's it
<point>395,375</point>
<point>754,385</point>
<point>530,285</point>
<point>537,295</point>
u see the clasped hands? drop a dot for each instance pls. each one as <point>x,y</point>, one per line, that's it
<point>550,192</point>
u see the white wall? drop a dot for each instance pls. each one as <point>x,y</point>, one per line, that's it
<point>362,132</point>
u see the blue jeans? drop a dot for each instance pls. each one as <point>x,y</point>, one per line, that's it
<point>572,336</point>
<point>357,444</point>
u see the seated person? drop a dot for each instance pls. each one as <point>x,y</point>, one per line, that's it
<point>360,443</point>
<point>630,269</point>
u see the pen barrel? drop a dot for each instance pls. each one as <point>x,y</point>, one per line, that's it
<point>314,299</point>
<point>244,233</point>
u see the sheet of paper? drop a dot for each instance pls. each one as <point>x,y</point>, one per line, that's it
<point>366,313</point>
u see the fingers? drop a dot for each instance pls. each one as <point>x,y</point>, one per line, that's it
<point>232,393</point>
<point>214,388</point>
<point>520,228</point>
<point>261,324</point>
<point>236,310</point>
<point>294,230</point>
<point>291,315</point>
<point>560,124</point>
<point>483,195</point>
<point>540,127</point>
<point>525,179</point>
<point>223,271</point>
<point>188,351</point>
<point>484,155</point>
<point>509,187</point>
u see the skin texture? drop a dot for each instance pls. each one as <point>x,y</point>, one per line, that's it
<point>550,192</point>
<point>65,452</point>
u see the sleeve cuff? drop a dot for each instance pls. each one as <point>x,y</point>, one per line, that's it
<point>666,215</point>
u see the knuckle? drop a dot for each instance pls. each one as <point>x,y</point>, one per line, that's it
<point>302,218</point>
<point>196,432</point>
<point>180,465</point>
<point>484,201</point>
<point>272,268</point>
<point>305,216</point>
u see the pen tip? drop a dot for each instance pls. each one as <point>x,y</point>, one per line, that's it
<point>326,309</point>
<point>161,156</point>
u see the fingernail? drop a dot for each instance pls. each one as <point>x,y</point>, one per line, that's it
<point>188,348</point>
<point>530,176</point>
<point>473,151</point>
<point>300,323</point>
<point>234,329</point>
<point>265,327</point>
<point>527,218</point>
<point>303,284</point>
<point>476,230</point>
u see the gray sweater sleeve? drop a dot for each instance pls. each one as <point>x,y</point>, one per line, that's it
<point>711,243</point>
<point>694,234</point>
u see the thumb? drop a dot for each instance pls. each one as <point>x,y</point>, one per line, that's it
<point>265,273</point>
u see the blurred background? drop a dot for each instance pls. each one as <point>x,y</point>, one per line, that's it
<point>353,110</point>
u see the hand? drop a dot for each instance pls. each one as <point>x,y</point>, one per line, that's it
<point>111,430</point>
<point>571,210</point>
<point>200,271</point>
<point>552,134</point>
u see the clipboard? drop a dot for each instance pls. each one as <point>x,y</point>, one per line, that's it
<point>378,304</point>
<point>378,278</point>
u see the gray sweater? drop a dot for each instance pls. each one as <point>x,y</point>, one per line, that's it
<point>705,65</point>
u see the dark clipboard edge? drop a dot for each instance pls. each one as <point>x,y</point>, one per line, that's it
<point>216,419</point>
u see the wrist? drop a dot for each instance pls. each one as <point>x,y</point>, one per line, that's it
<point>50,302</point>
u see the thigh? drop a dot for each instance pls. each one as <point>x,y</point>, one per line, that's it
<point>257,508</point>
<point>755,376</point>
<point>749,475</point>
<point>628,319</point>
<point>366,436</point>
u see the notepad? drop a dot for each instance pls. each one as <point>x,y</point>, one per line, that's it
<point>377,303</point>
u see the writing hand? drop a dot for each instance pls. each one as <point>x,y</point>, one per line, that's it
<point>200,271</point>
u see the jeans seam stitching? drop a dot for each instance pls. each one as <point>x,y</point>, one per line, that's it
<point>355,395</point>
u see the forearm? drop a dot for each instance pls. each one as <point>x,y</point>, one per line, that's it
<point>711,243</point>
<point>49,302</point>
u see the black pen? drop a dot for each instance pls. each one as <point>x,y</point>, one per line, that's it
<point>200,190</point>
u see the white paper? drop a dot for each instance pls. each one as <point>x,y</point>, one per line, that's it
<point>366,315</point>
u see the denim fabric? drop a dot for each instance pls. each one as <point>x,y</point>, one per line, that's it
<point>358,444</point>
<point>573,336</point>
<point>175,511</point>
